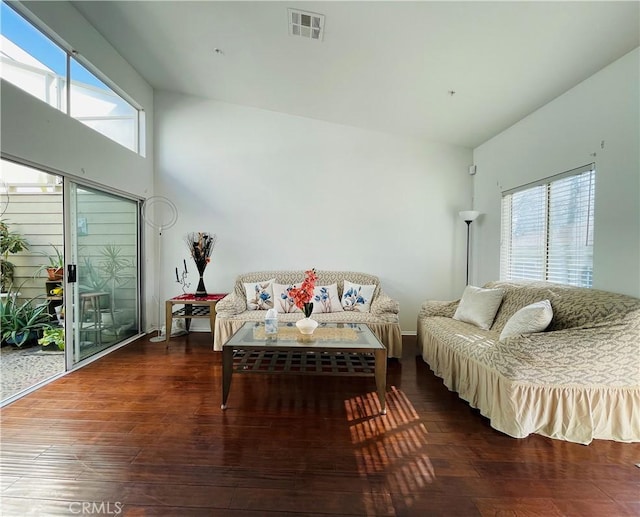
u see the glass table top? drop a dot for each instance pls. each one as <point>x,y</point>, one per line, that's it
<point>338,336</point>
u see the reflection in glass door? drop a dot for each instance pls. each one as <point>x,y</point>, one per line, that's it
<point>104,248</point>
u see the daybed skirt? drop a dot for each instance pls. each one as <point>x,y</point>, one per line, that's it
<point>573,413</point>
<point>388,334</point>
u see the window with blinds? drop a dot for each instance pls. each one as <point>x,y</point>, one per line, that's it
<point>547,229</point>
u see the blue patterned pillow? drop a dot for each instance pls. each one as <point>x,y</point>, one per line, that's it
<point>357,297</point>
<point>282,301</point>
<point>259,295</point>
<point>326,299</point>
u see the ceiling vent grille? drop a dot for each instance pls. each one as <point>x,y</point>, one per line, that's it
<point>305,24</point>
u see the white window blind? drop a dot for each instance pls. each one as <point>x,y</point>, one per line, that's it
<point>547,229</point>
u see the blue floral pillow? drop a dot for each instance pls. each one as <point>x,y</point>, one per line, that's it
<point>357,297</point>
<point>326,299</point>
<point>259,295</point>
<point>282,301</point>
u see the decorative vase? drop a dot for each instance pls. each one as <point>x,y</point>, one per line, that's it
<point>306,326</point>
<point>201,291</point>
<point>201,265</point>
<point>200,245</point>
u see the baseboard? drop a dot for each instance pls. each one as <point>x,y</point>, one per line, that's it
<point>409,332</point>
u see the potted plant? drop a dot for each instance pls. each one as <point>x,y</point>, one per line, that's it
<point>10,242</point>
<point>52,339</point>
<point>108,274</point>
<point>21,321</point>
<point>55,267</point>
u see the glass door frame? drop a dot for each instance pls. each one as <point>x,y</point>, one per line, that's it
<point>68,224</point>
<point>71,291</point>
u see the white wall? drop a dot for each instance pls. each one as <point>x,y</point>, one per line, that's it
<point>36,133</point>
<point>597,121</point>
<point>285,192</point>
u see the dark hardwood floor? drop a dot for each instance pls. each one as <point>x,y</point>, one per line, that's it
<point>141,432</point>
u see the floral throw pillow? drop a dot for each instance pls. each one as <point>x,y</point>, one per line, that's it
<point>283,302</point>
<point>326,299</point>
<point>259,295</point>
<point>357,297</point>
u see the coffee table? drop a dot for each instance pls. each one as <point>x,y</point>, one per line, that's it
<point>333,349</point>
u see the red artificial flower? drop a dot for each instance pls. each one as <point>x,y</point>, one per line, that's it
<point>304,294</point>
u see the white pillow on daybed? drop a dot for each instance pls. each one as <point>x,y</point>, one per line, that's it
<point>532,318</point>
<point>479,306</point>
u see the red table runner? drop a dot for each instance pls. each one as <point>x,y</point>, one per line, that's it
<point>190,297</point>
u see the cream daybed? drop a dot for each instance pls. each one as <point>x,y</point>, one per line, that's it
<point>579,380</point>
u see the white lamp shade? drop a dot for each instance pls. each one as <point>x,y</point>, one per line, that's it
<point>469,215</point>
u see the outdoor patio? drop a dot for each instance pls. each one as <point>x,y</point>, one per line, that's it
<point>21,368</point>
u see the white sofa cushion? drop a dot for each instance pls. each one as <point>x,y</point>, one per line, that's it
<point>532,318</point>
<point>479,306</point>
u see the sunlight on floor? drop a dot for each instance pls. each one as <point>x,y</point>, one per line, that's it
<point>390,445</point>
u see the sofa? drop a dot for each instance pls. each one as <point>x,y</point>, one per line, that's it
<point>578,380</point>
<point>243,304</point>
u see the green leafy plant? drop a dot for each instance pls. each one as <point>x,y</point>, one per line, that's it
<point>10,242</point>
<point>21,320</point>
<point>56,259</point>
<point>113,264</point>
<point>55,266</point>
<point>107,273</point>
<point>54,335</point>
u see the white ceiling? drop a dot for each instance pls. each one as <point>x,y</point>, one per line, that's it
<point>386,66</point>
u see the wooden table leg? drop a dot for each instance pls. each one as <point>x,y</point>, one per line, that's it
<point>168,320</point>
<point>188,312</point>
<point>381,378</point>
<point>212,317</point>
<point>227,371</point>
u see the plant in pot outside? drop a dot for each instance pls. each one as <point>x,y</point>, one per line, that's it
<point>55,267</point>
<point>10,242</point>
<point>52,339</point>
<point>109,273</point>
<point>22,321</point>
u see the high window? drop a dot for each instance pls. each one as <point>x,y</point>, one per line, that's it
<point>33,62</point>
<point>547,229</point>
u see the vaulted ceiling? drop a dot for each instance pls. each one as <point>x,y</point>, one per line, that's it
<point>456,72</point>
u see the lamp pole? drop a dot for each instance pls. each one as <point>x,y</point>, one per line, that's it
<point>468,228</point>
<point>468,216</point>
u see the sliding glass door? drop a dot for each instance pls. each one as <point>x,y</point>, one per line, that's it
<point>104,237</point>
<point>76,274</point>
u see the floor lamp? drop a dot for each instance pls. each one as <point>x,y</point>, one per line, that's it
<point>468,216</point>
<point>161,214</point>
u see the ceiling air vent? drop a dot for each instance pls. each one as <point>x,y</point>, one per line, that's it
<point>305,25</point>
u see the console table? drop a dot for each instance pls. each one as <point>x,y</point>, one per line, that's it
<point>194,307</point>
